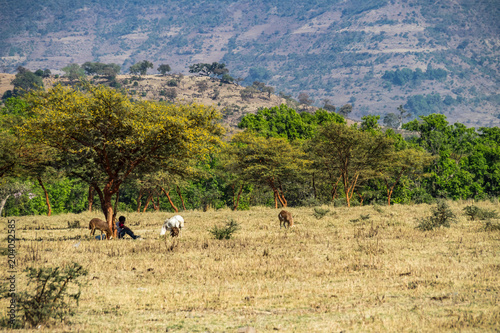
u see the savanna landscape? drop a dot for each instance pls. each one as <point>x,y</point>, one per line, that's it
<point>336,165</point>
<point>359,269</point>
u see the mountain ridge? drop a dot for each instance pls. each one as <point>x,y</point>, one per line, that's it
<point>335,50</point>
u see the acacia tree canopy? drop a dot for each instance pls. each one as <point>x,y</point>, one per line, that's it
<point>265,161</point>
<point>350,153</point>
<point>104,137</point>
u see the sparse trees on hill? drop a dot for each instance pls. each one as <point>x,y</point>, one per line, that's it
<point>391,120</point>
<point>73,72</point>
<point>164,68</point>
<point>141,68</point>
<point>97,68</point>
<point>328,106</point>
<point>25,81</point>
<point>305,99</point>
<point>345,110</point>
<point>215,68</point>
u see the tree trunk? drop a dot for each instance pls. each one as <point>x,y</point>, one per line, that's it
<point>105,197</point>
<point>150,196</point>
<point>49,209</point>
<point>141,192</point>
<point>91,197</point>
<point>335,187</point>
<point>2,203</point>
<point>116,207</point>
<point>282,193</point>
<point>314,187</point>
<point>170,200</point>
<point>180,195</point>
<point>235,204</point>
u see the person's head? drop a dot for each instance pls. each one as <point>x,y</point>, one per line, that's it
<point>121,219</point>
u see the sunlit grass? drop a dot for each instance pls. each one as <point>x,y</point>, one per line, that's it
<point>356,269</point>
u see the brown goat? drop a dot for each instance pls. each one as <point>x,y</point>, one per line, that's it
<point>100,225</point>
<point>285,218</point>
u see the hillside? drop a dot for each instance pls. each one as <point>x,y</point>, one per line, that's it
<point>183,89</point>
<point>375,54</point>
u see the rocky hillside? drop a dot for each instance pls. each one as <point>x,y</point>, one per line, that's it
<point>430,56</point>
<point>227,98</point>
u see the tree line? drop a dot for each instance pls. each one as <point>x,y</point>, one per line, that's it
<point>64,149</point>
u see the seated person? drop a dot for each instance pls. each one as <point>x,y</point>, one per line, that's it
<point>122,229</point>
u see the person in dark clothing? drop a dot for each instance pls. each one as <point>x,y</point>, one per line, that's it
<point>122,229</point>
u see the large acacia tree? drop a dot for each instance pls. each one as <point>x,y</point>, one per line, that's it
<point>103,137</point>
<point>265,161</point>
<point>350,154</point>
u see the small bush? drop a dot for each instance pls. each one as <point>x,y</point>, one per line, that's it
<point>378,209</point>
<point>319,213</point>
<point>50,298</point>
<point>491,226</point>
<point>225,232</point>
<point>74,224</point>
<point>172,83</point>
<point>441,217</point>
<point>476,213</point>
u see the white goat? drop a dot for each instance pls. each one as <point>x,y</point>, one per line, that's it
<point>174,222</point>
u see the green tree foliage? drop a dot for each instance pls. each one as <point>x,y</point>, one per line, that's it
<point>164,68</point>
<point>350,154</point>
<point>97,68</point>
<point>345,110</point>
<point>73,72</point>
<point>140,68</point>
<point>215,68</point>
<point>462,167</point>
<point>271,162</point>
<point>391,120</point>
<point>283,121</point>
<point>26,81</point>
<point>104,137</point>
<point>404,76</point>
<point>370,123</point>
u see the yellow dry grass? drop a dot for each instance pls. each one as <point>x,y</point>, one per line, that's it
<point>345,272</point>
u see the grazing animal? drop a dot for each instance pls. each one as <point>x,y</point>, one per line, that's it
<point>174,222</point>
<point>100,225</point>
<point>174,232</point>
<point>285,218</point>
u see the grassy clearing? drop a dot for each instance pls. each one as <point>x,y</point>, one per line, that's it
<point>359,269</point>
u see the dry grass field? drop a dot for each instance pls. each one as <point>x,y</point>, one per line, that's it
<point>360,269</point>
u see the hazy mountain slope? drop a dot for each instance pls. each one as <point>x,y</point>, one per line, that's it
<point>338,50</point>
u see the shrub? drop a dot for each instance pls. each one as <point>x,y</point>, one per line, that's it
<point>476,213</point>
<point>172,83</point>
<point>441,216</point>
<point>74,225</point>
<point>50,298</point>
<point>491,226</point>
<point>225,232</point>
<point>319,213</point>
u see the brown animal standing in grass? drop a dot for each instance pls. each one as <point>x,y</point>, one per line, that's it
<point>100,225</point>
<point>285,218</point>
